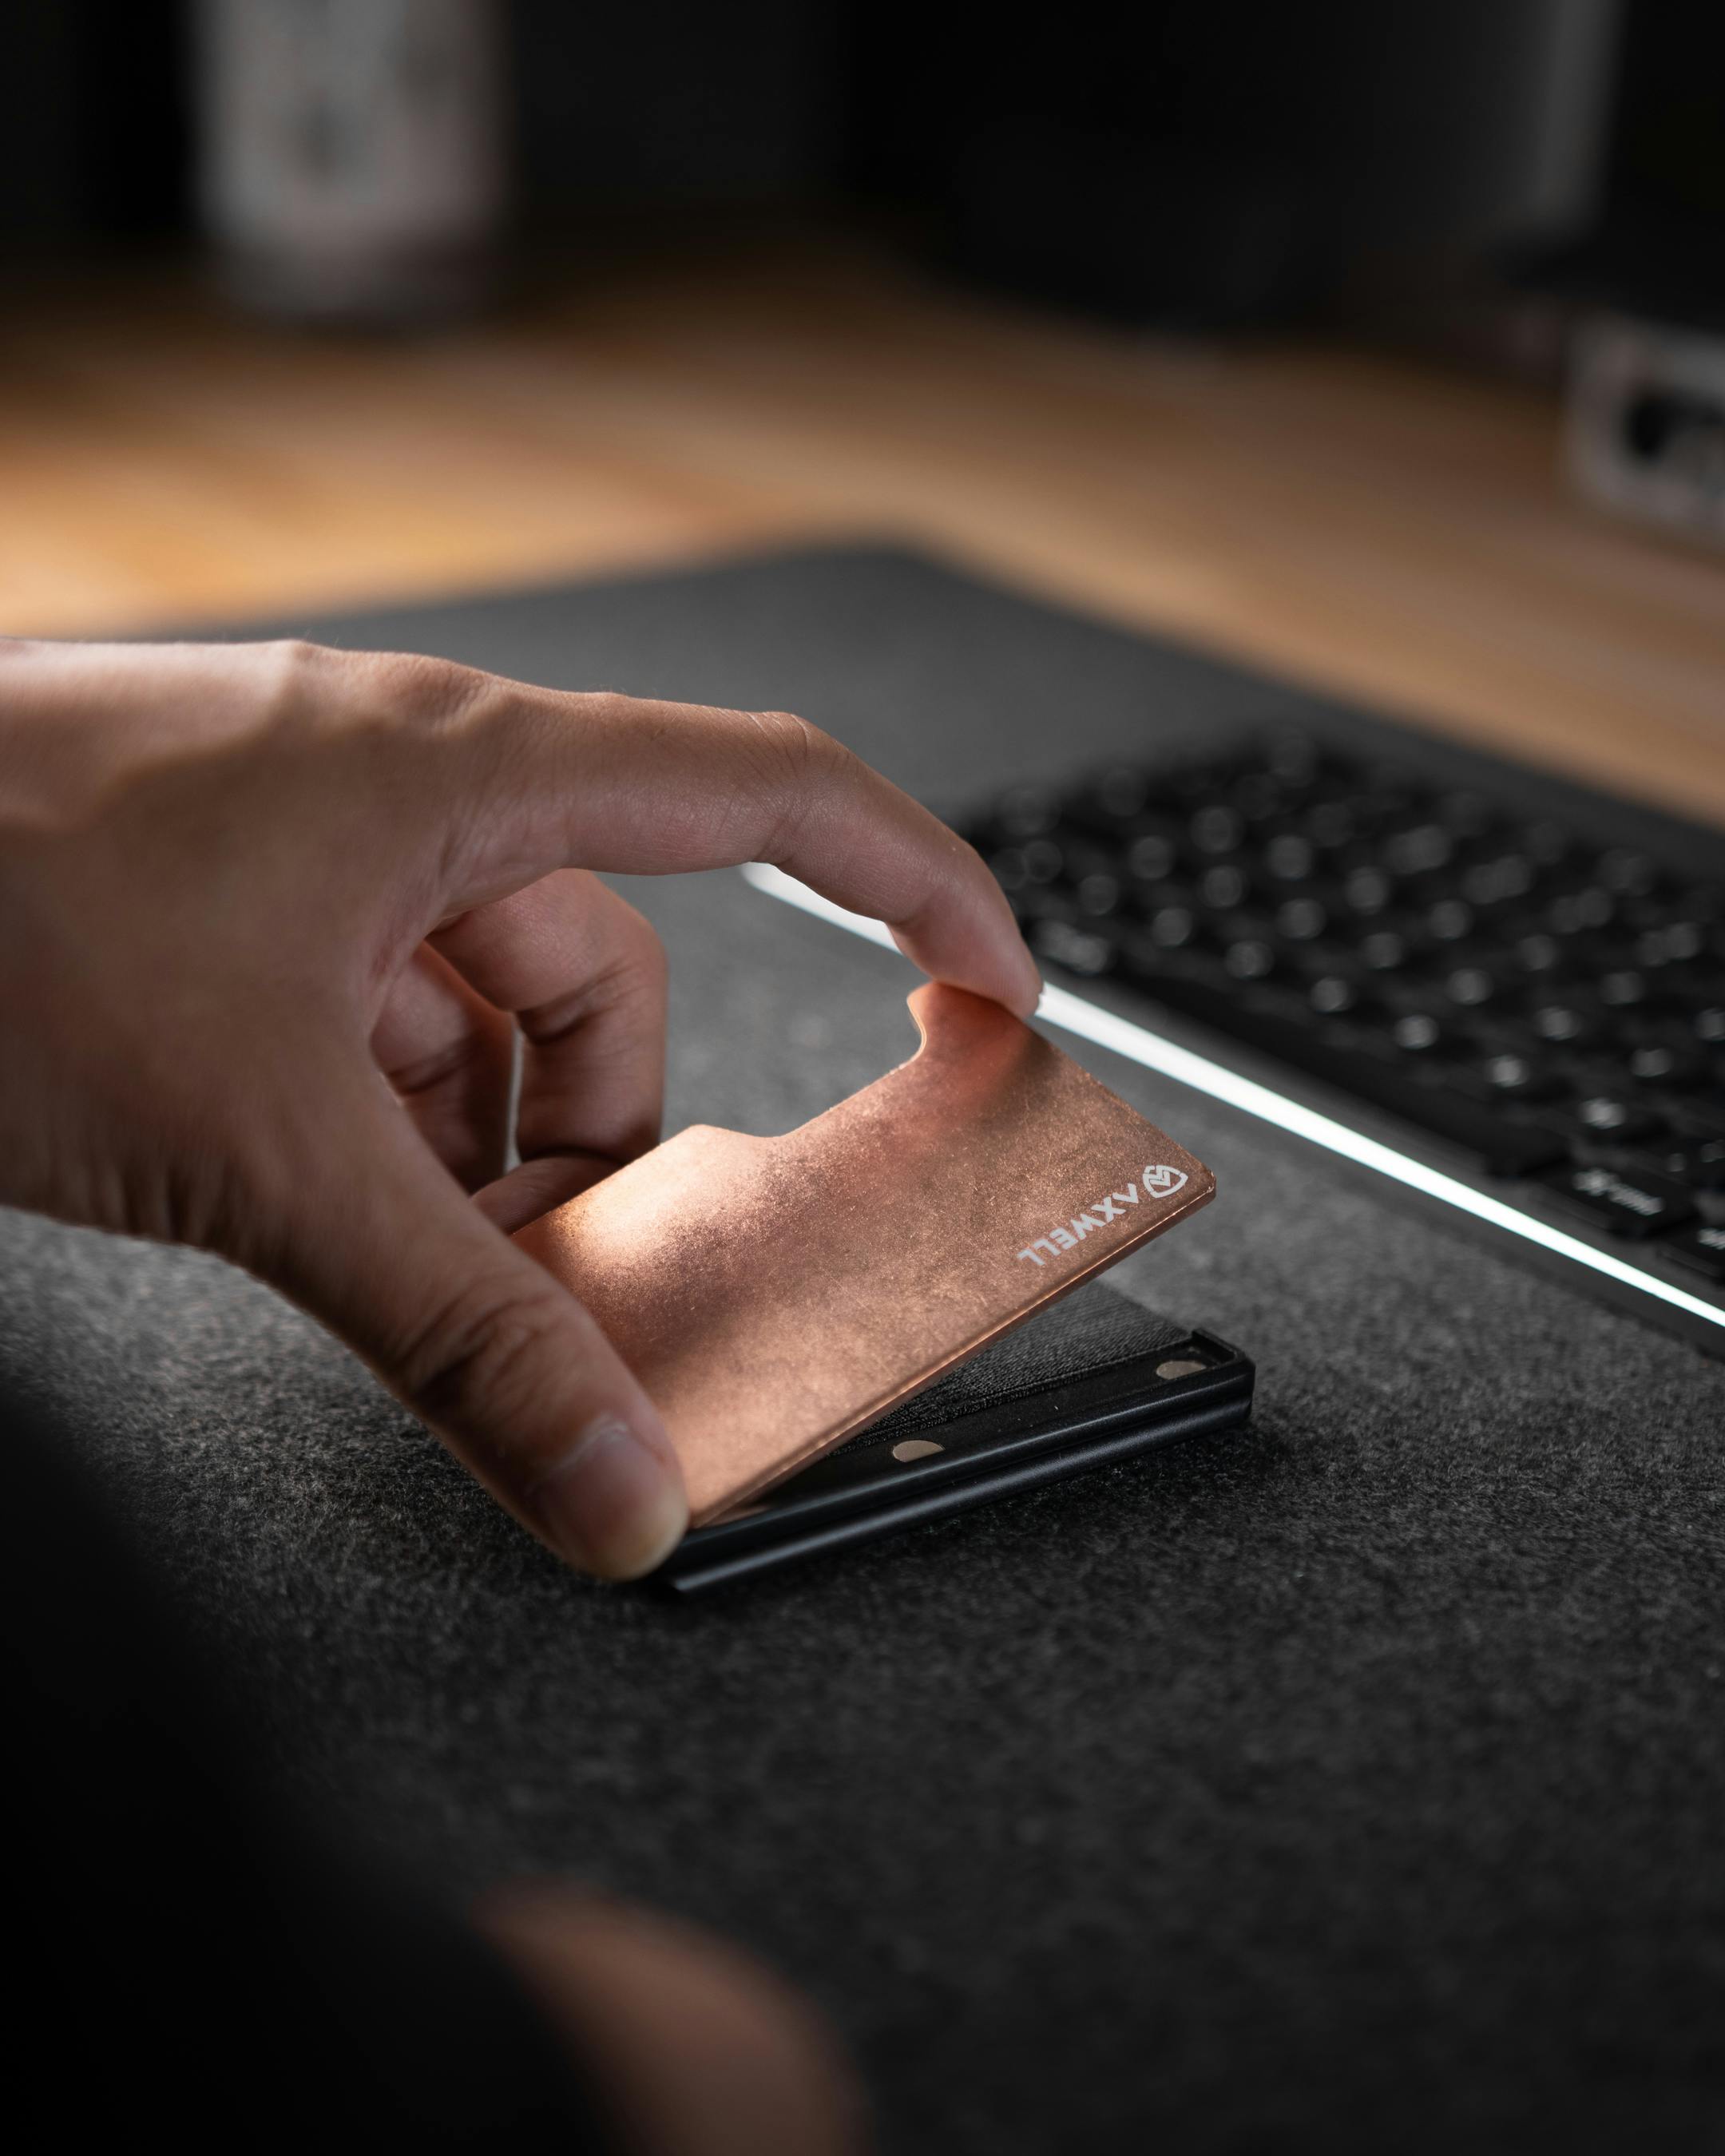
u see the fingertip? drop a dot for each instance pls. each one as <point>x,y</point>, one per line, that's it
<point>614,1505</point>
<point>1029,994</point>
<point>1023,974</point>
<point>1010,976</point>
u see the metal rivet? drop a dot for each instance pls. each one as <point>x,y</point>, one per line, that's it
<point>1175,1367</point>
<point>915,1448</point>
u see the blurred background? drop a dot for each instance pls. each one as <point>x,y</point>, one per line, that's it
<point>1381,346</point>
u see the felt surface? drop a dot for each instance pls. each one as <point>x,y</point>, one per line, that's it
<point>1356,1782</point>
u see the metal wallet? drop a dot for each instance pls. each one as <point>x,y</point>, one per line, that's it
<point>776,1295</point>
<point>1092,1381</point>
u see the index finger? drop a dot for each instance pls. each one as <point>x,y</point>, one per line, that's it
<point>610,783</point>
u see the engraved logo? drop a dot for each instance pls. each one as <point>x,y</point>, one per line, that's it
<point>1158,1182</point>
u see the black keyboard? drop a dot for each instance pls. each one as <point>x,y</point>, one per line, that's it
<point>1547,1011</point>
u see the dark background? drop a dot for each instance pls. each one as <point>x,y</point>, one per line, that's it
<point>1230,164</point>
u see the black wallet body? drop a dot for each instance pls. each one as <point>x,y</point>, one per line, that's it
<point>1091,1380</point>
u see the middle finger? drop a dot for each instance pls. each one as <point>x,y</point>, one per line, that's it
<point>585,976</point>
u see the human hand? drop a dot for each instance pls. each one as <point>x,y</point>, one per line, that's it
<point>691,2046</point>
<point>273,916</point>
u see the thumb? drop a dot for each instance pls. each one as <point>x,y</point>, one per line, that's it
<point>505,1365</point>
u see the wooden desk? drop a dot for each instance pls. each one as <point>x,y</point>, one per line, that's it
<point>1399,534</point>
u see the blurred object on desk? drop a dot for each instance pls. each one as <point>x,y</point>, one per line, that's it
<point>1647,280</point>
<point>1237,166</point>
<point>1647,424</point>
<point>730,335</point>
<point>353,156</point>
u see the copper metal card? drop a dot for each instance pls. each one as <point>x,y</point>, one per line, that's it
<point>774,1295</point>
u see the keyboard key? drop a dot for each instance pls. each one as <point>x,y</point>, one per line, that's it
<point>1249,959</point>
<point>1083,950</point>
<point>1578,911</point>
<point>1469,986</point>
<point>1622,990</point>
<point>1152,858</point>
<point>1494,883</point>
<point>1565,1024</point>
<point>1216,829</point>
<point>1299,920</point>
<point>1223,887</point>
<point>1636,1206</point>
<point>1289,858</point>
<point>1677,943</point>
<point>1368,890</point>
<point>1516,1078</point>
<point>1331,995</point>
<point>1658,1064</point>
<point>1099,895</point>
<point>1451,920</point>
<point>1699,1249</point>
<point>1418,851</point>
<point>1594,1143</point>
<point>1698,1164</point>
<point>1621,1120</point>
<point>1538,953</point>
<point>1170,927</point>
<point>1417,1033</point>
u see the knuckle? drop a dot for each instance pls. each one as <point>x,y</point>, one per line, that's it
<point>641,951</point>
<point>799,748</point>
<point>799,765</point>
<point>295,656</point>
<point>614,710</point>
<point>628,970</point>
<point>427,693</point>
<point>294,671</point>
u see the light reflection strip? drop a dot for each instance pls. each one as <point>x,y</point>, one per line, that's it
<point>1122,1037</point>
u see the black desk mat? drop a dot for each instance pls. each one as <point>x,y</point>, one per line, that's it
<point>1358,1780</point>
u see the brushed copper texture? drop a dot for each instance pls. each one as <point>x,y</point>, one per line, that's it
<point>775,1295</point>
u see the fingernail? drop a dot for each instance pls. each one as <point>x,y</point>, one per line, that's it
<point>614,1504</point>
